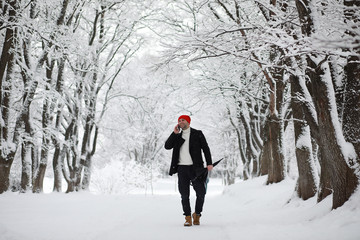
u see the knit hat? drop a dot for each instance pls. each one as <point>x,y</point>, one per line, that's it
<point>186,117</point>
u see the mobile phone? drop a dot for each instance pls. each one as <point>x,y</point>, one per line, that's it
<point>178,127</point>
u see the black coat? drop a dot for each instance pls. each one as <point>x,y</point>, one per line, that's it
<point>196,144</point>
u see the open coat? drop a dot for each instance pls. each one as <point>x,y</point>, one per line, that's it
<point>197,143</point>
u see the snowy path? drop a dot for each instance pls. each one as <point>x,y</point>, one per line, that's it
<point>248,210</point>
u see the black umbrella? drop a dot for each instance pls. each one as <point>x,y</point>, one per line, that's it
<point>203,173</point>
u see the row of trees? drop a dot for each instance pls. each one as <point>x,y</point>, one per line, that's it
<point>268,67</point>
<point>59,62</point>
<point>281,62</point>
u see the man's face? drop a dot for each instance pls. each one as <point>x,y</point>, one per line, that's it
<point>183,124</point>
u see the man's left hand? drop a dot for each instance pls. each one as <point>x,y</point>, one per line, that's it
<point>210,167</point>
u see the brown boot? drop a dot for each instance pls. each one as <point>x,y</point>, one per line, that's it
<point>187,221</point>
<point>196,218</point>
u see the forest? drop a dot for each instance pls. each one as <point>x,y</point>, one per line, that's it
<point>90,83</point>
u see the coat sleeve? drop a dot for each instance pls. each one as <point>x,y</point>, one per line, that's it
<point>206,149</point>
<point>170,142</point>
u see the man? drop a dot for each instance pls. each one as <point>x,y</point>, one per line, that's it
<point>187,161</point>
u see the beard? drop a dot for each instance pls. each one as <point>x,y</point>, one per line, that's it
<point>183,126</point>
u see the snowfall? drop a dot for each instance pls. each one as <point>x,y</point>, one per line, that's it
<point>246,210</point>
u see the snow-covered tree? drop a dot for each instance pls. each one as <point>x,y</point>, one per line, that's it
<point>68,54</point>
<point>302,41</point>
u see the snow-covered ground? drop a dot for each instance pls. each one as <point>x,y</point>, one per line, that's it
<point>247,210</point>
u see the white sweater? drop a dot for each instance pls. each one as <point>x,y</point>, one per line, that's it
<point>184,157</point>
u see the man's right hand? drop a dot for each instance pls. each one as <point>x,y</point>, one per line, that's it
<point>176,129</point>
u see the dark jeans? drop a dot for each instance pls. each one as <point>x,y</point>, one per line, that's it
<point>185,175</point>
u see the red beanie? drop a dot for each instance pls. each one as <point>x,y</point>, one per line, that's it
<point>186,117</point>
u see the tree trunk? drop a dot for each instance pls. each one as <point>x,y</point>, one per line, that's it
<point>343,179</point>
<point>240,146</point>
<point>351,117</point>
<point>26,162</point>
<point>325,185</point>
<point>48,106</point>
<point>310,115</point>
<point>351,123</point>
<point>87,173</point>
<point>276,165</point>
<point>27,142</point>
<point>74,179</point>
<point>57,163</point>
<point>265,154</point>
<point>88,148</point>
<point>5,166</point>
<point>257,142</point>
<point>69,152</point>
<point>87,167</point>
<point>333,162</point>
<point>7,63</point>
<point>306,184</point>
<point>40,174</point>
<point>250,154</point>
<point>57,168</point>
<point>8,43</point>
<point>85,161</point>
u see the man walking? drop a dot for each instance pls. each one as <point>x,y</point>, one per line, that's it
<point>187,144</point>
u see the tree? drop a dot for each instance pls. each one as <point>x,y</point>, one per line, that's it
<point>285,42</point>
<point>7,69</point>
<point>351,125</point>
<point>226,37</point>
<point>49,101</point>
<point>63,79</point>
<point>334,160</point>
<point>307,182</point>
<point>111,46</point>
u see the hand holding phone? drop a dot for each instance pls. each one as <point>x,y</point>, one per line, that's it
<point>177,129</point>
